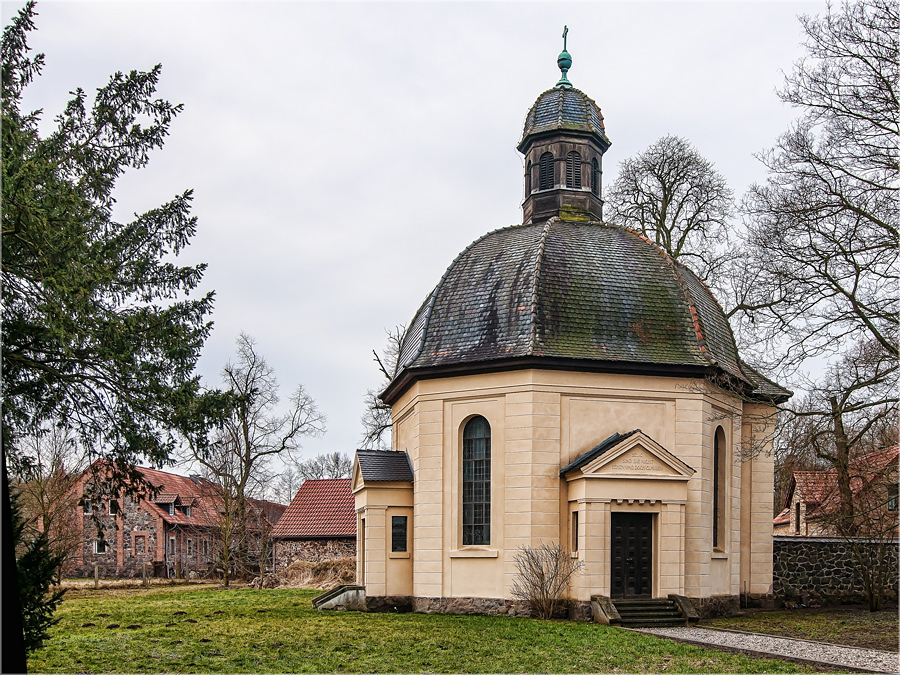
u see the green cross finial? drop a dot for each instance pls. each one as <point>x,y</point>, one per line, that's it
<point>564,61</point>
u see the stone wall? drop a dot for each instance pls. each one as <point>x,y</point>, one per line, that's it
<point>823,569</point>
<point>312,550</point>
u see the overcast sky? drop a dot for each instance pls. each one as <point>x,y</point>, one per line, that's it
<point>342,154</point>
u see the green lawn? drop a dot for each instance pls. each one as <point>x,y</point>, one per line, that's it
<point>193,630</point>
<point>853,627</point>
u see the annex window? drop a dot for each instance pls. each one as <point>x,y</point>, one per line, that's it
<point>140,544</point>
<point>573,170</point>
<point>171,545</point>
<point>574,531</point>
<point>113,507</point>
<point>892,498</point>
<point>100,546</point>
<point>595,176</point>
<point>86,506</point>
<point>545,171</point>
<point>797,518</point>
<point>476,483</point>
<point>718,496</point>
<point>204,547</point>
<point>528,178</point>
<point>190,547</point>
<point>398,534</point>
<point>171,508</point>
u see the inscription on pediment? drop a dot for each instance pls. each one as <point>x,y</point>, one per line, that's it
<point>636,461</point>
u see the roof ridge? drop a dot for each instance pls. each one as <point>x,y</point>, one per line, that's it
<point>538,263</point>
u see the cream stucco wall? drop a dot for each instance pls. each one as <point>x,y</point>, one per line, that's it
<point>541,420</point>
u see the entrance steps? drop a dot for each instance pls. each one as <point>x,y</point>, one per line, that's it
<point>650,613</point>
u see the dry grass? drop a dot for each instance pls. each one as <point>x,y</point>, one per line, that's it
<point>321,574</point>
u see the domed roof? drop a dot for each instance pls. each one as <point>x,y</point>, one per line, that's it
<point>563,294</point>
<point>563,108</point>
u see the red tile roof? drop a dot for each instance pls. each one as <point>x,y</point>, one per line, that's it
<point>321,508</point>
<point>783,517</point>
<point>198,493</point>
<point>819,489</point>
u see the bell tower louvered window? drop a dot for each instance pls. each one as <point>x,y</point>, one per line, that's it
<point>476,483</point>
<point>573,170</point>
<point>545,172</point>
<point>595,176</point>
<point>528,178</point>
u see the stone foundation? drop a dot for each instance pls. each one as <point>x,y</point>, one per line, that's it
<point>389,603</point>
<point>487,606</point>
<point>716,605</point>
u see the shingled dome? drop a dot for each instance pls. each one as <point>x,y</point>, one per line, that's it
<point>587,296</point>
<point>563,108</point>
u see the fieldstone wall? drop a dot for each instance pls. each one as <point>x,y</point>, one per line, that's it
<point>822,569</point>
<point>716,605</point>
<point>289,551</point>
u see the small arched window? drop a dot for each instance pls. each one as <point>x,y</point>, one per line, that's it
<point>528,179</point>
<point>719,511</point>
<point>595,176</point>
<point>545,172</point>
<point>573,170</point>
<point>476,483</point>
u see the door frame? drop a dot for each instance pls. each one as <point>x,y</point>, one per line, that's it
<point>654,548</point>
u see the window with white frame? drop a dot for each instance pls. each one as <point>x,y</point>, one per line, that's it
<point>100,546</point>
<point>86,506</point>
<point>113,507</point>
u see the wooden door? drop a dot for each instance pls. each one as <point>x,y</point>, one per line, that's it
<point>631,555</point>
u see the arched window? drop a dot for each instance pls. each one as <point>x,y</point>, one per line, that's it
<point>528,179</point>
<point>476,483</point>
<point>595,176</point>
<point>719,468</point>
<point>545,172</point>
<point>573,170</point>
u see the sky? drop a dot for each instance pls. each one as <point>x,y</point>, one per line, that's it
<point>341,154</point>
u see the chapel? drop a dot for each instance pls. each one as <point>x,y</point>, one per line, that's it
<point>568,382</point>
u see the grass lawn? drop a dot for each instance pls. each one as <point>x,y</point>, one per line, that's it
<point>191,630</point>
<point>854,627</point>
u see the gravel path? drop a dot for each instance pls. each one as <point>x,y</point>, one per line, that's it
<point>835,655</point>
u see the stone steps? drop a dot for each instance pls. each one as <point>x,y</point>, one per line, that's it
<point>649,613</point>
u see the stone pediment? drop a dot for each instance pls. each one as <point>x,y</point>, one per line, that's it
<point>639,456</point>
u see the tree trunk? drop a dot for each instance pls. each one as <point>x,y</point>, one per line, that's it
<point>842,465</point>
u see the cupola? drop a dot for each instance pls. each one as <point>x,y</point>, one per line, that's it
<point>563,142</point>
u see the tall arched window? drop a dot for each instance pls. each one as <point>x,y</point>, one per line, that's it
<point>528,179</point>
<point>595,176</point>
<point>573,170</point>
<point>545,172</point>
<point>476,483</point>
<point>719,467</point>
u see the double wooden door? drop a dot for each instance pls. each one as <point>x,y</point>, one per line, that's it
<point>631,551</point>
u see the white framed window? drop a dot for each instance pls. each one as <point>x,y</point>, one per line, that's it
<point>190,547</point>
<point>204,545</point>
<point>187,511</point>
<point>171,508</point>
<point>101,546</point>
<point>86,506</point>
<point>171,545</point>
<point>113,507</point>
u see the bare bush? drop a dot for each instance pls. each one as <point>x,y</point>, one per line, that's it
<point>542,578</point>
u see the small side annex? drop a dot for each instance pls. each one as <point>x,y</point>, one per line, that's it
<point>383,490</point>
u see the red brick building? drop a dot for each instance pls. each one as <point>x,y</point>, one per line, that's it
<point>319,523</point>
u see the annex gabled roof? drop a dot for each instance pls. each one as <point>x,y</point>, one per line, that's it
<point>585,296</point>
<point>320,509</point>
<point>633,454</point>
<point>383,466</point>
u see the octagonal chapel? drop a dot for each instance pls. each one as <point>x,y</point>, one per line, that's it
<point>567,382</point>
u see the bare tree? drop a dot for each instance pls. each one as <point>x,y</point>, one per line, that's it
<point>285,485</point>
<point>822,245</point>
<point>48,464</point>
<point>235,464</point>
<point>376,420</point>
<point>543,575</point>
<point>329,465</point>
<point>821,253</point>
<point>677,199</point>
